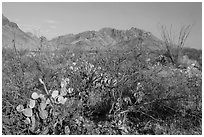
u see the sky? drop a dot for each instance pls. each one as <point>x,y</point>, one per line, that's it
<point>55,19</point>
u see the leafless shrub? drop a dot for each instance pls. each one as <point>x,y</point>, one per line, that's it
<point>173,48</point>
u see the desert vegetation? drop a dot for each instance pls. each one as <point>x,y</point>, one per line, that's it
<point>108,92</point>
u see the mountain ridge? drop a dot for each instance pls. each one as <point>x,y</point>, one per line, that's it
<point>11,31</point>
<point>103,39</point>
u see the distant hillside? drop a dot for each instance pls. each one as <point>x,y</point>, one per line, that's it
<point>22,39</point>
<point>104,39</point>
<point>107,38</point>
<point>193,54</point>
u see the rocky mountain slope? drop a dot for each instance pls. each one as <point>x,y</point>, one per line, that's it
<point>107,38</point>
<point>104,39</point>
<point>11,31</point>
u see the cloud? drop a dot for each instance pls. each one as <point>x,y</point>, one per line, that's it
<point>29,27</point>
<point>35,29</point>
<point>51,21</point>
<point>16,20</point>
<point>44,29</point>
<point>52,26</point>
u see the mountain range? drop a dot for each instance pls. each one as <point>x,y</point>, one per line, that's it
<point>103,39</point>
<point>11,32</point>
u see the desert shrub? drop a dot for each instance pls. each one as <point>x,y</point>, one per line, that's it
<point>193,54</point>
<point>173,48</point>
<point>160,94</point>
<point>102,93</point>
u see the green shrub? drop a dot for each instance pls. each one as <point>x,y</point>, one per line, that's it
<point>102,93</point>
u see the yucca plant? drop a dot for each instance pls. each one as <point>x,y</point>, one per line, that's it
<point>173,49</point>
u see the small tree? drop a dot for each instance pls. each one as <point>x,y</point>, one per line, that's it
<point>173,48</point>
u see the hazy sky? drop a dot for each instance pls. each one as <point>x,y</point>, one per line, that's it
<point>54,19</point>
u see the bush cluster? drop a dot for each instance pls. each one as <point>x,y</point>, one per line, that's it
<point>65,92</point>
